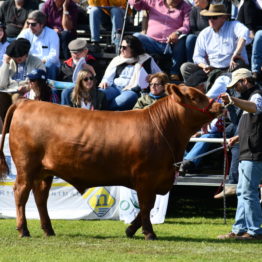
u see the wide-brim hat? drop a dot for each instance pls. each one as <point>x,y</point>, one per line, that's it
<point>239,74</point>
<point>214,10</point>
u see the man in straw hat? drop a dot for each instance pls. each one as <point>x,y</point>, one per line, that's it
<point>220,46</point>
<point>248,218</point>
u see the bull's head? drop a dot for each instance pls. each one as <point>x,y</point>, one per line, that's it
<point>192,98</point>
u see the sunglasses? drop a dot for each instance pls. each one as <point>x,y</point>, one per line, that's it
<point>32,80</point>
<point>91,78</point>
<point>124,47</point>
<point>213,17</point>
<point>32,24</point>
<point>155,84</point>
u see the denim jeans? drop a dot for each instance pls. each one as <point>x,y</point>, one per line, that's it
<point>118,99</point>
<point>256,57</point>
<point>51,70</point>
<point>200,148</point>
<point>152,46</point>
<point>65,38</point>
<point>248,215</point>
<point>66,96</point>
<point>96,16</point>
<point>190,46</point>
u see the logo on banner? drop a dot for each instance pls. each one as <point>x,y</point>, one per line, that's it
<point>100,200</point>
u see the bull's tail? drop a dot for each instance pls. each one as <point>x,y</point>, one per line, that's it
<point>4,170</point>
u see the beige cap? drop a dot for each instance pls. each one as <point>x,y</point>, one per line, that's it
<point>77,45</point>
<point>239,74</point>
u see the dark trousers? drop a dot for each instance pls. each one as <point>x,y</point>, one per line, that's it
<point>65,38</point>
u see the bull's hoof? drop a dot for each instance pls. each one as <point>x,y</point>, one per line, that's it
<point>48,230</point>
<point>50,233</point>
<point>23,233</point>
<point>150,236</point>
<point>129,232</point>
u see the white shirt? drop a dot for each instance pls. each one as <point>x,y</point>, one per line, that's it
<point>257,99</point>
<point>3,47</point>
<point>45,46</point>
<point>219,46</point>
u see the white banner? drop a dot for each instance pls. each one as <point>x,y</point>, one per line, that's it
<point>65,202</point>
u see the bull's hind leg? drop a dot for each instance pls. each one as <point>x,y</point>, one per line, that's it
<point>41,192</point>
<point>135,225</point>
<point>21,191</point>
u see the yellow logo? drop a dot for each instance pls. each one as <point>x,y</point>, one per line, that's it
<point>100,200</point>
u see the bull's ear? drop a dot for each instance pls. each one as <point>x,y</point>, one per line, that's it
<point>174,90</point>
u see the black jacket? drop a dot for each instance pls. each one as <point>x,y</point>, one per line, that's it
<point>250,134</point>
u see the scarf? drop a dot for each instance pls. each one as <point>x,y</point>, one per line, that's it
<point>156,97</point>
<point>118,60</point>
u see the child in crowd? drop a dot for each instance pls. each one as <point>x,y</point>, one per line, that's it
<point>39,88</point>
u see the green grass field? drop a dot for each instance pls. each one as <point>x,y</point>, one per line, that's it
<point>188,235</point>
<point>179,239</point>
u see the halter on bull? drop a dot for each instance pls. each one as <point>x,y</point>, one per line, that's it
<point>101,148</point>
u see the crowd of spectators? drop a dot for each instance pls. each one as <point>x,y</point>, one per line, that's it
<point>199,37</point>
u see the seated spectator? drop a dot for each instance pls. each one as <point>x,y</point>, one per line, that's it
<point>100,12</point>
<point>256,56</point>
<point>17,63</point>
<point>250,15</point>
<point>214,131</point>
<point>80,59</point>
<point>62,17</point>
<point>3,42</point>
<point>13,13</point>
<point>220,46</point>
<point>167,22</point>
<point>197,23</point>
<point>126,74</point>
<point>85,94</point>
<point>44,42</point>
<point>39,88</point>
<point>78,49</point>
<point>157,90</point>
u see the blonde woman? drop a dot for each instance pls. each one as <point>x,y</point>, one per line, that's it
<point>85,93</point>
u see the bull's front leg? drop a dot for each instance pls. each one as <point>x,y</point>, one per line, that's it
<point>146,202</point>
<point>21,192</point>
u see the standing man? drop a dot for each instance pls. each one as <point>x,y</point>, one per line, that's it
<point>168,20</point>
<point>62,17</point>
<point>219,46</point>
<point>44,42</point>
<point>248,217</point>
